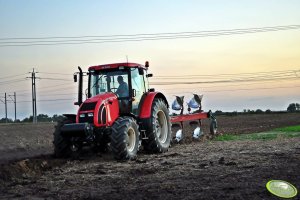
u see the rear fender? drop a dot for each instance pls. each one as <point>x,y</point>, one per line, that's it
<point>146,103</point>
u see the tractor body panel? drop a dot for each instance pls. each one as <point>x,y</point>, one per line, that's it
<point>189,117</point>
<point>146,104</point>
<point>100,110</point>
<point>77,130</point>
<point>115,66</point>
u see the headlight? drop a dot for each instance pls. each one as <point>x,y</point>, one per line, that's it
<point>82,115</point>
<point>90,114</point>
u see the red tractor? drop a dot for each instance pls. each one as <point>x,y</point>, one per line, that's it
<point>120,111</point>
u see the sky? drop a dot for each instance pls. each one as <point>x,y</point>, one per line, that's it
<point>230,54</point>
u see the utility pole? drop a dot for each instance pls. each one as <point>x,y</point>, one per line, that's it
<point>15,102</point>
<point>34,111</point>
<point>15,95</point>
<point>5,100</point>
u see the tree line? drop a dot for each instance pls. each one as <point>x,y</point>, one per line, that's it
<point>292,108</point>
<point>40,118</point>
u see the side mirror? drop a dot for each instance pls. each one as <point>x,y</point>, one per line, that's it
<point>141,71</point>
<point>133,93</point>
<point>149,75</point>
<point>75,77</point>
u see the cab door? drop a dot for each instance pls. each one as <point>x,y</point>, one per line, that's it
<point>138,88</point>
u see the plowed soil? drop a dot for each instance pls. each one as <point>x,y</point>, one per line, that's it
<point>202,169</point>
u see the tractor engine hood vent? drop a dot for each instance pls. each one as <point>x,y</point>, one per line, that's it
<point>88,106</point>
<point>100,110</point>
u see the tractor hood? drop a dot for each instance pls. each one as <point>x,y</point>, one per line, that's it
<point>100,110</point>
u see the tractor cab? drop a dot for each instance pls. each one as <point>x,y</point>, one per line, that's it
<point>128,81</point>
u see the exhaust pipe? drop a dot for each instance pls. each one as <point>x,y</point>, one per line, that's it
<point>79,102</point>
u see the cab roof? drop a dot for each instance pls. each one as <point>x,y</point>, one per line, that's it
<point>116,65</point>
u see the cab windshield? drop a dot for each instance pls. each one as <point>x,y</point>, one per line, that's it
<point>115,81</point>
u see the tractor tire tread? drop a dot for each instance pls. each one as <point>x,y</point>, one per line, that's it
<point>118,138</point>
<point>152,144</point>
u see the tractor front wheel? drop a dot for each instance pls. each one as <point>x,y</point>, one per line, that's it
<point>159,130</point>
<point>125,138</point>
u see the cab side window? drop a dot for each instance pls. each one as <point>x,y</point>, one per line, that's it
<point>139,87</point>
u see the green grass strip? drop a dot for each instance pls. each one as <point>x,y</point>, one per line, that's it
<point>258,136</point>
<point>289,129</point>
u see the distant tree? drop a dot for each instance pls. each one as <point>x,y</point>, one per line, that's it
<point>218,112</point>
<point>56,118</point>
<point>268,111</point>
<point>3,120</point>
<point>292,107</point>
<point>297,106</point>
<point>251,111</point>
<point>259,111</point>
<point>43,118</point>
<point>234,113</point>
<point>28,119</point>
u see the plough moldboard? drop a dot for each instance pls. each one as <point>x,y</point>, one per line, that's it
<point>194,118</point>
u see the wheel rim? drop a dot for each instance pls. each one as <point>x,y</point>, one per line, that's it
<point>161,126</point>
<point>130,140</point>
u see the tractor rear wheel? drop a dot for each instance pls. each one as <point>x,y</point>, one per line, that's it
<point>159,130</point>
<point>62,145</point>
<point>125,138</point>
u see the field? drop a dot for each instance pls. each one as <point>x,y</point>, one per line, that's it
<point>236,166</point>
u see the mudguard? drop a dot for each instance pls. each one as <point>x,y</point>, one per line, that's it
<point>146,104</point>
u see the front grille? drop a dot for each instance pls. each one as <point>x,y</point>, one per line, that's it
<point>88,106</point>
<point>86,118</point>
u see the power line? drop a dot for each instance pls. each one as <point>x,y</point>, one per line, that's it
<point>231,85</point>
<point>234,77</point>
<point>46,100</point>
<point>139,37</point>
<point>218,81</point>
<point>12,81</point>
<point>56,79</point>
<point>12,76</point>
<point>155,34</point>
<point>158,34</point>
<point>242,89</point>
<point>232,74</point>
<point>147,34</point>
<point>55,73</point>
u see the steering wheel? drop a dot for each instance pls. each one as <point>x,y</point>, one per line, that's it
<point>114,89</point>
